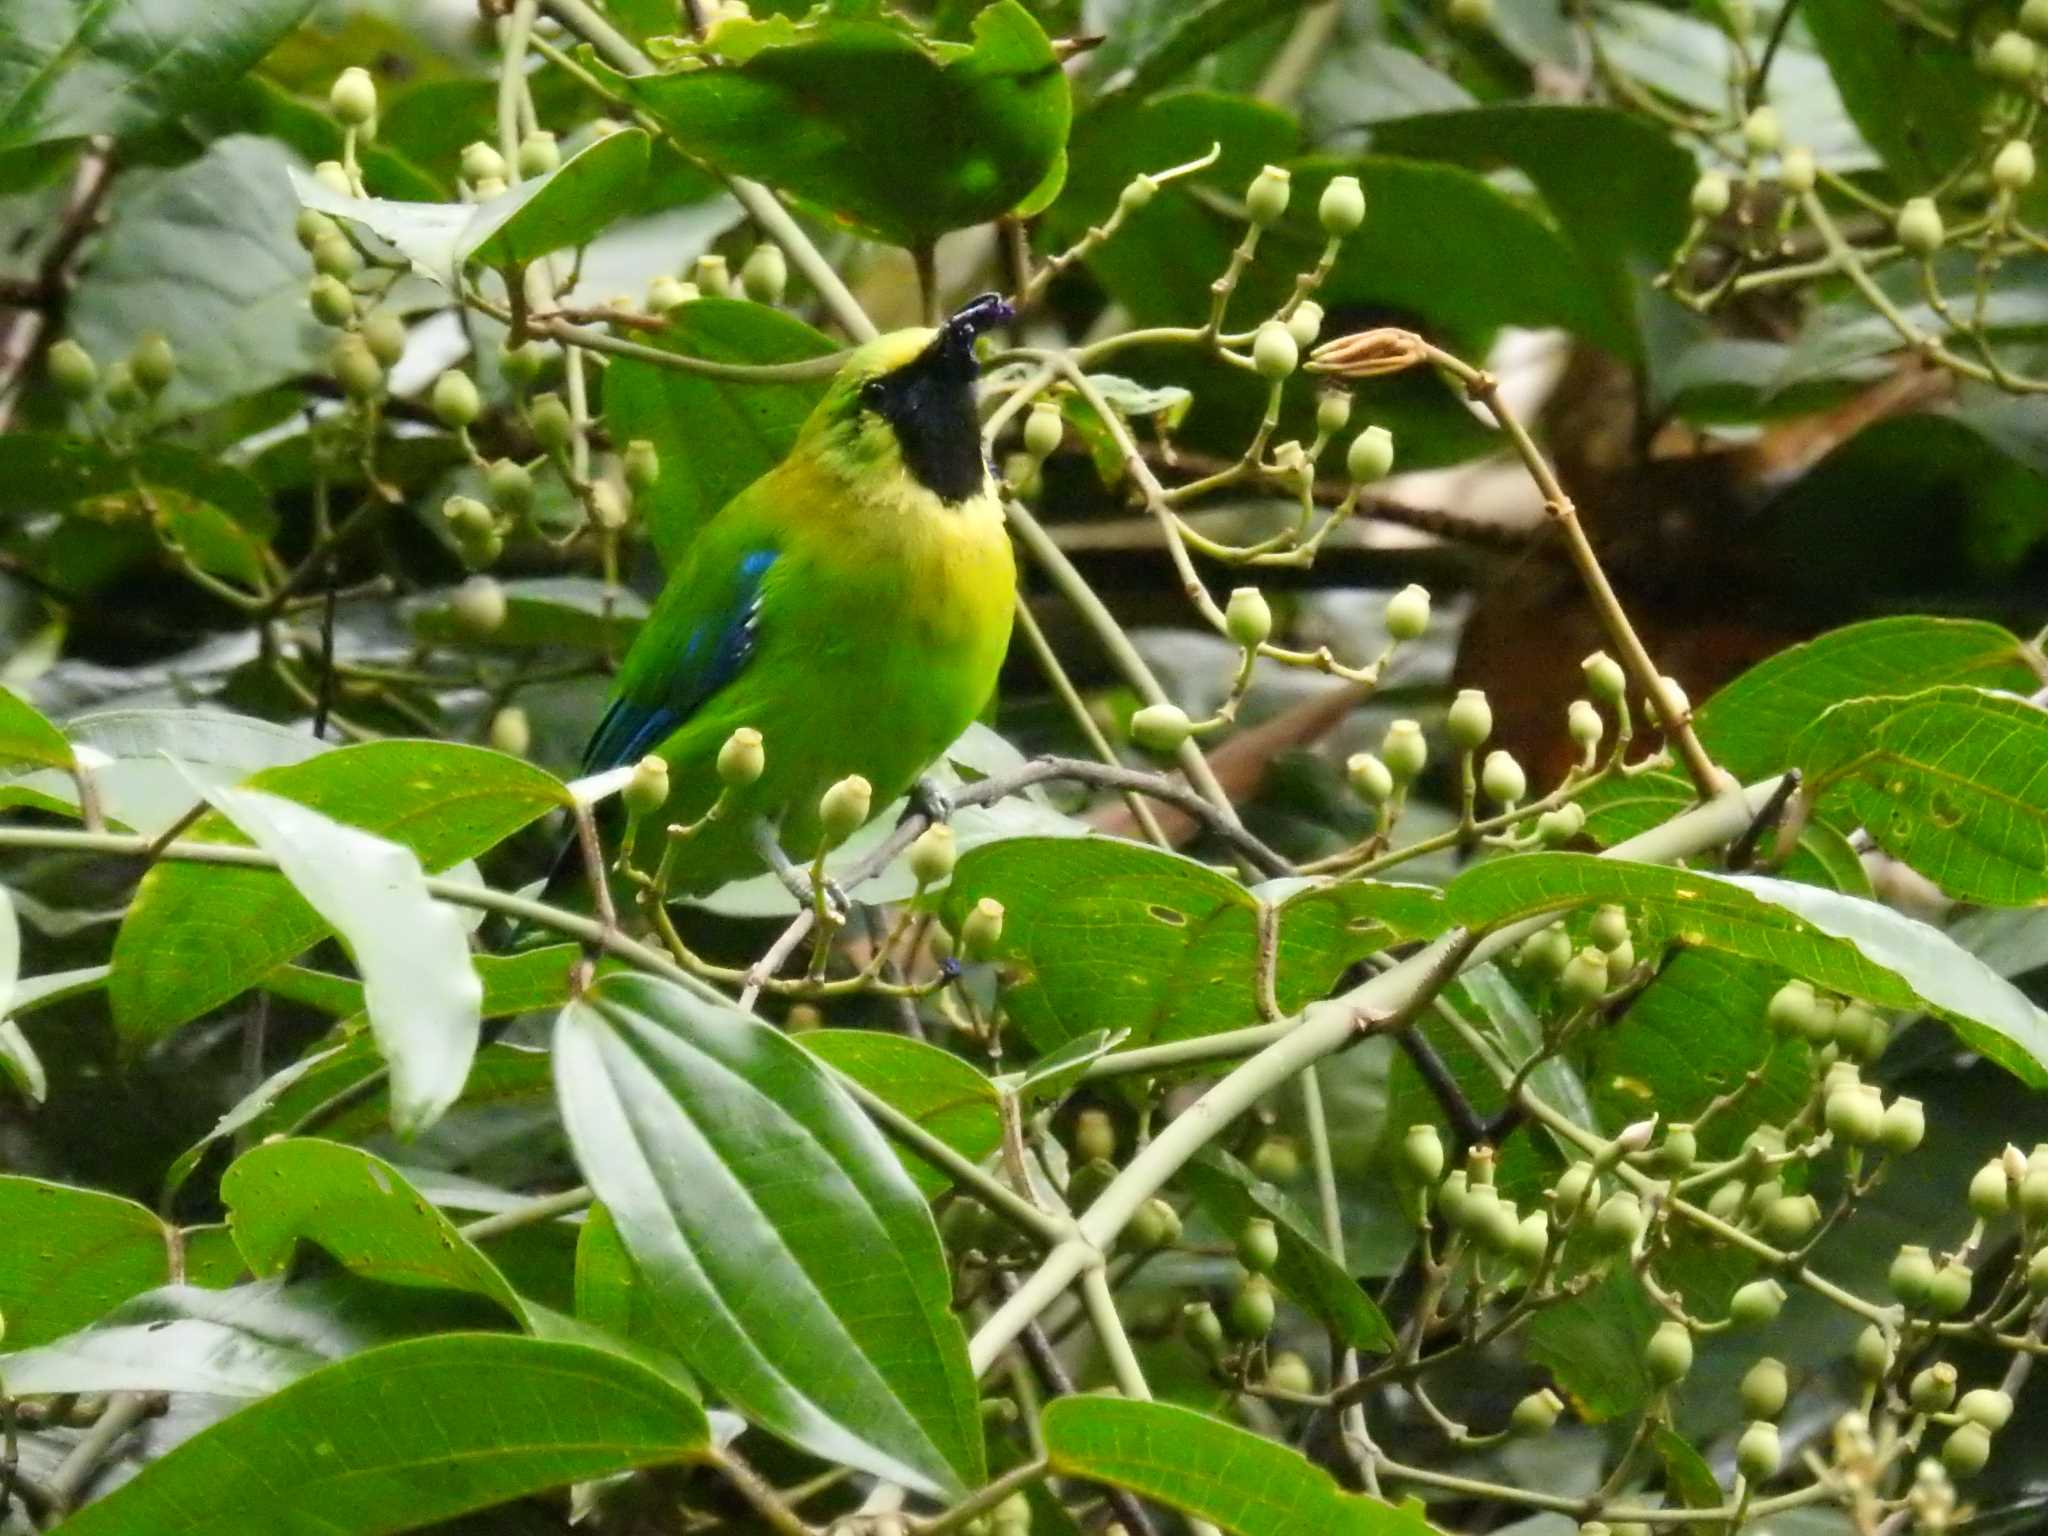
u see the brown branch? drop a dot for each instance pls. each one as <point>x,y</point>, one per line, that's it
<point>55,274</point>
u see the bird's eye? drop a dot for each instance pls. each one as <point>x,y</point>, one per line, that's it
<point>872,394</point>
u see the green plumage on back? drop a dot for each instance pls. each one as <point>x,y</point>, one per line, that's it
<point>852,605</point>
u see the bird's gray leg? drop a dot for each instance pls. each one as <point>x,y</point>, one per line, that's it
<point>931,800</point>
<point>794,877</point>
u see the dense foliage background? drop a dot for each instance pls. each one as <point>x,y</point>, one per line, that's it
<point>1366,1037</point>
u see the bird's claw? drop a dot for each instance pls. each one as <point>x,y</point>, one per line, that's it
<point>931,800</point>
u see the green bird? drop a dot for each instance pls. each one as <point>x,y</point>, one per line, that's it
<point>852,605</point>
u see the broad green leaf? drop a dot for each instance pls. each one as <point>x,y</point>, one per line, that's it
<point>1243,1482</point>
<point>714,437</point>
<point>1917,99</point>
<point>1593,1346</point>
<point>205,254</point>
<point>766,1211</point>
<point>70,69</point>
<point>70,1255</point>
<point>548,612</point>
<point>1618,809</point>
<point>1103,934</point>
<point>938,1090</point>
<point>1231,1194</point>
<point>420,990</point>
<point>1835,941</point>
<point>613,1299</point>
<point>199,935</point>
<point>904,137</point>
<point>1953,781</point>
<point>1192,32</point>
<point>1749,726</point>
<point>356,1207</point>
<point>393,1439</point>
<point>27,740</point>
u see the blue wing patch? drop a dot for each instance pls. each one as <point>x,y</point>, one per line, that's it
<point>712,657</point>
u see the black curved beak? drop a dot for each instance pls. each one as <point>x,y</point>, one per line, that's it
<point>954,345</point>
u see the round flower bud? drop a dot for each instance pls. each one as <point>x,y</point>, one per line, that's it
<point>1341,208</point>
<point>333,175</point>
<point>1932,1390</point>
<point>2037,1273</point>
<point>538,154</point>
<point>334,256</point>
<point>1757,1303</point>
<point>1275,352</point>
<point>1619,1221</point>
<point>1760,131</point>
<point>1727,1200</point>
<point>482,162</point>
<point>2012,168</point>
<point>1137,192</point>
<point>1966,1449</point>
<point>1247,617</point>
<point>2034,1191</point>
<point>1583,723</point>
<point>933,855</point>
<point>1903,1125</point>
<point>1202,1327</point>
<point>510,486</point>
<point>712,276</point>
<point>647,790</point>
<point>1371,779</point>
<point>355,368</point>
<point>1873,1353</point>
<point>1764,1389</point>
<point>1855,1115</point>
<point>311,226</point>
<point>1536,1414</point>
<point>1306,323</point>
<point>1711,195</point>
<point>1791,1008</point>
<point>1160,728</point>
<point>2034,17</point>
<point>1668,701</point>
<point>511,732</point>
<point>1762,1197</point>
<point>1861,1030</point>
<point>1155,1224</point>
<point>468,518</point>
<point>384,332</point>
<point>844,808</point>
<point>1797,172</point>
<point>982,929</point>
<point>122,394</point>
<point>1333,410</point>
<point>1556,828</point>
<point>1258,1246</point>
<point>1572,1188</point>
<point>521,365</point>
<point>1547,951</point>
<point>353,97</point>
<point>1919,228</point>
<point>1094,1136</point>
<point>1668,1356</point>
<point>607,505</point>
<point>1472,14</point>
<point>1043,429</point>
<point>153,364</point>
<point>665,292</point>
<point>479,605</point>
<point>1251,1309</point>
<point>1265,200</point>
<point>1407,614</point>
<point>1990,1196</point>
<point>1454,1195</point>
<point>1604,678</point>
<point>764,275</point>
<point>1369,459</point>
<point>1422,1153</point>
<point>1680,1148</point>
<point>1912,1274</point>
<point>455,399</point>
<point>72,369</point>
<point>1584,980</point>
<point>1503,780</point>
<point>552,428</point>
<point>1276,1160</point>
<point>1609,927</point>
<point>1288,1372</point>
<point>1404,751</point>
<point>1948,1294</point>
<point>1986,1406</point>
<point>488,188</point>
<point>1470,719</point>
<point>742,758</point>
<point>1789,1218</point>
<point>2011,57</point>
<point>641,465</point>
<point>1757,1452</point>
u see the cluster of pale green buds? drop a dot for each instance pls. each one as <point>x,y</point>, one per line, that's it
<point>144,374</point>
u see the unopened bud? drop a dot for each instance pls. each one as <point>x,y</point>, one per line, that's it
<point>742,758</point>
<point>1873,1353</point>
<point>1155,1224</point>
<point>1583,723</point>
<point>510,486</point>
<point>1275,353</point>
<point>479,605</point>
<point>1252,1308</point>
<point>1584,980</point>
<point>353,97</point>
<point>1422,1152</point>
<point>1137,192</point>
<point>1987,1406</point>
<point>1043,429</point>
<point>1265,200</point>
<point>1619,1221</point>
<point>511,732</point>
<point>1912,1274</point>
<point>1668,1356</point>
<point>1919,227</point>
<point>1371,780</point>
<point>355,368</point>
<point>1404,750</point>
<point>153,364</point>
<point>1161,728</point>
<point>1966,1449</point>
<point>982,929</point>
<point>1341,208</point>
<point>1948,1294</point>
<point>1932,1390</point>
<point>1306,323</point>
<point>1711,195</point>
<point>1903,1126</point>
<point>552,427</point>
<point>481,162</point>
<point>1203,1328</point>
<point>1537,1413</point>
<point>1604,678</point>
<point>1757,1303</point>
<point>334,256</point>
<point>1247,618</point>
<point>933,855</point>
<point>1757,1452</point>
<point>333,175</point>
<point>538,154</point>
<point>455,399</point>
<point>1556,828</point>
<point>1333,411</point>
<point>1990,1195</point>
<point>843,809</point>
<point>1760,131</point>
<point>1503,780</point>
<point>2011,58</point>
<point>1765,1387</point>
<point>1797,172</point>
<point>2012,168</point>
<point>72,369</point>
<point>647,790</point>
<point>712,276</point>
<point>1094,1136</point>
<point>1407,615</point>
<point>1371,458</point>
<point>764,275</point>
<point>1258,1246</point>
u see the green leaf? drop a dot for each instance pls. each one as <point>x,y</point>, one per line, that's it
<point>1593,1346</point>
<point>1103,934</point>
<point>1231,1194</point>
<point>903,137</point>
<point>935,1088</point>
<point>1953,781</point>
<point>70,69</point>
<point>1749,725</point>
<point>714,437</point>
<point>70,1255</point>
<point>205,254</point>
<point>27,740</point>
<point>419,988</point>
<point>762,1206</point>
<point>1245,1483</point>
<point>360,1210</point>
<point>1193,32</point>
<point>199,935</point>
<point>613,1299</point>
<point>1918,100</point>
<point>1835,941</point>
<point>392,1439</point>
<point>549,612</point>
<point>1618,809</point>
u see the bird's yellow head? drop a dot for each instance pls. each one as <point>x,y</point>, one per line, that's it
<point>904,404</point>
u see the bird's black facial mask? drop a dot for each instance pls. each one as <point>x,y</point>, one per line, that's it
<point>929,403</point>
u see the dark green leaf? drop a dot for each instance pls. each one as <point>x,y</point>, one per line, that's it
<point>27,740</point>
<point>1919,100</point>
<point>1247,1484</point>
<point>1953,781</point>
<point>758,1201</point>
<point>714,437</point>
<point>1749,725</point>
<point>613,1299</point>
<point>1194,32</point>
<point>70,1255</point>
<point>1593,1346</point>
<point>1835,941</point>
<point>904,137</point>
<point>567,207</point>
<point>935,1088</point>
<point>73,68</point>
<point>393,1439</point>
<point>1231,1194</point>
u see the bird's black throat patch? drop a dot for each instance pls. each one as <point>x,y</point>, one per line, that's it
<point>929,403</point>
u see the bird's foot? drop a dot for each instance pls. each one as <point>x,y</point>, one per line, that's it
<point>796,879</point>
<point>931,800</point>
